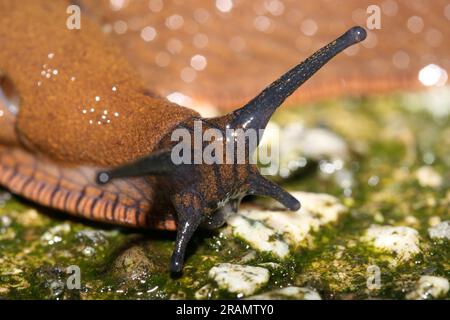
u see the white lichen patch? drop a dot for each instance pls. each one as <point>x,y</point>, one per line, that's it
<point>403,242</point>
<point>6,232</point>
<point>55,234</point>
<point>440,231</point>
<point>302,143</point>
<point>239,279</point>
<point>270,265</point>
<point>314,143</point>
<point>94,237</point>
<point>250,256</point>
<point>429,287</point>
<point>323,207</point>
<point>428,177</point>
<point>435,101</point>
<point>434,221</point>
<point>30,218</point>
<point>317,143</point>
<point>274,230</point>
<point>288,293</point>
<point>5,221</point>
<point>258,235</point>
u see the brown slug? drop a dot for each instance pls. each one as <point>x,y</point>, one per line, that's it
<point>85,137</point>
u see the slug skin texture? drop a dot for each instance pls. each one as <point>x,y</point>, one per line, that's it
<point>59,116</point>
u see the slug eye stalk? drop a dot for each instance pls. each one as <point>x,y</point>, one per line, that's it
<point>256,113</point>
<point>191,195</point>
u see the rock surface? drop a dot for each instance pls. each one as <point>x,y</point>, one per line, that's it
<point>321,248</point>
<point>134,264</point>
<point>240,279</point>
<point>440,231</point>
<point>402,242</point>
<point>428,177</point>
<point>288,293</point>
<point>429,287</point>
<point>273,229</point>
<point>300,144</point>
<point>259,236</point>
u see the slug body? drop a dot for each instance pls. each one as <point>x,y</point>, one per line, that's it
<point>79,133</point>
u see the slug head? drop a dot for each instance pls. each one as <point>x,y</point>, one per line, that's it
<point>205,181</point>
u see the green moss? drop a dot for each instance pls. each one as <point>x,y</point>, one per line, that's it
<point>389,141</point>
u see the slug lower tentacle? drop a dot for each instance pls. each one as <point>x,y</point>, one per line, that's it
<point>190,214</point>
<point>262,187</point>
<point>198,189</point>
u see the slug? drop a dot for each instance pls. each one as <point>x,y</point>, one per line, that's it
<point>79,133</point>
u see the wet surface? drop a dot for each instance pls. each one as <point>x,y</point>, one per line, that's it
<point>392,183</point>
